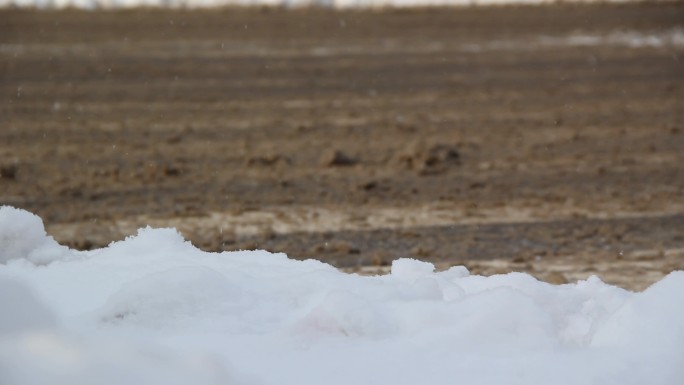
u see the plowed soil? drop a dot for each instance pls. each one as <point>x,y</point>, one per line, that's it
<point>545,139</point>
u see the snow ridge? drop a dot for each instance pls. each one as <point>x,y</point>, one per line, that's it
<point>154,309</point>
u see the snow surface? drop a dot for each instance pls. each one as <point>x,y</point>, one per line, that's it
<point>153,309</point>
<point>112,4</point>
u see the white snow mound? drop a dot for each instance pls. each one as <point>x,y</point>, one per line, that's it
<point>153,309</point>
<point>22,236</point>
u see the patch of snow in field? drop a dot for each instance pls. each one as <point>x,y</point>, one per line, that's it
<point>153,309</point>
<point>113,4</point>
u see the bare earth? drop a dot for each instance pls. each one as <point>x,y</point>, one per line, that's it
<point>546,139</point>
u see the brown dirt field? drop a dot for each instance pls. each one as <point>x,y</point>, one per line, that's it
<point>546,139</point>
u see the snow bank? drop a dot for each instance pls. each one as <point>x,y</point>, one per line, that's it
<point>113,4</point>
<point>153,309</point>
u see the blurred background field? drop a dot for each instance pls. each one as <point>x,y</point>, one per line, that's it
<point>547,139</point>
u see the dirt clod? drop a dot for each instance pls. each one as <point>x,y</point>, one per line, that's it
<point>268,160</point>
<point>8,171</point>
<point>337,158</point>
<point>429,159</point>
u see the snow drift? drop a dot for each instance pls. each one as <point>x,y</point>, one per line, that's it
<point>153,309</point>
